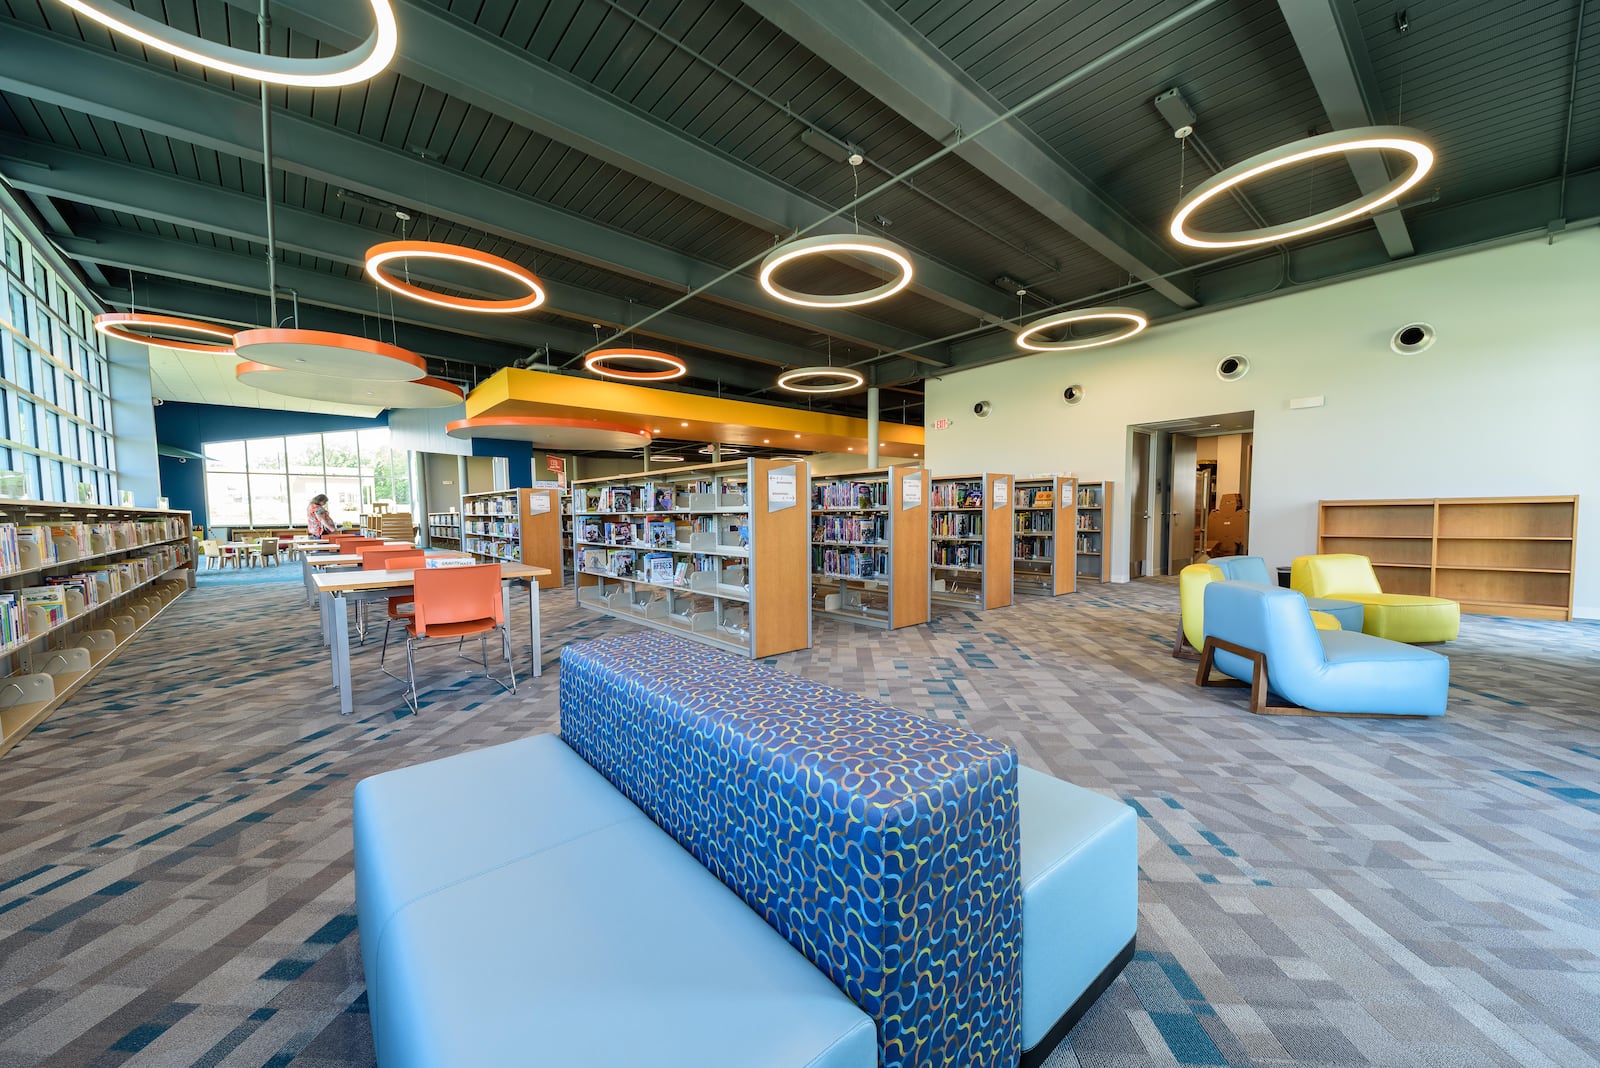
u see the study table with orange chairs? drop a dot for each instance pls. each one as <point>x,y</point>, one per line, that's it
<point>335,590</point>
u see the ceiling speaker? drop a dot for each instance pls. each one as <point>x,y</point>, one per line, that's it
<point>1072,394</point>
<point>981,408</point>
<point>1233,367</point>
<point>1412,339</point>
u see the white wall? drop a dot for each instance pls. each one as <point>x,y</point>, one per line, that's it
<point>1506,403</point>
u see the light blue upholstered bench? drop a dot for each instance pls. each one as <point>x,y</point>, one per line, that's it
<point>516,909</point>
<point>511,896</point>
<point>1262,636</point>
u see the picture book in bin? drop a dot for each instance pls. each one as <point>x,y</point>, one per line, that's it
<point>658,568</point>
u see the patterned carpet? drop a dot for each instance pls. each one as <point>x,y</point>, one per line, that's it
<point>175,856</point>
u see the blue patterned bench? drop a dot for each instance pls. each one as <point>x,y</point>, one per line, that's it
<point>884,845</point>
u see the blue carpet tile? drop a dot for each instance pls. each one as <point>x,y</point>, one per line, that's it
<point>175,853</point>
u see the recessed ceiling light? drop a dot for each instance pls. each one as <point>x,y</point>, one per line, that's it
<point>850,448</point>
<point>797,435</point>
<point>683,424</point>
<point>766,441</point>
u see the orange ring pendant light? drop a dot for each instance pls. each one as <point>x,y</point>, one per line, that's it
<point>671,366</point>
<point>125,327</point>
<point>378,256</point>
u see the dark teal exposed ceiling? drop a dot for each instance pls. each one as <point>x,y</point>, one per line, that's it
<point>631,151</point>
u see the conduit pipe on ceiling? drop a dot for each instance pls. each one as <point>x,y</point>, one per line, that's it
<point>1160,29</point>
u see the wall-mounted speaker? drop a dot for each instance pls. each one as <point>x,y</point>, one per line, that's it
<point>1233,367</point>
<point>1412,339</point>
<point>1072,394</point>
<point>981,408</point>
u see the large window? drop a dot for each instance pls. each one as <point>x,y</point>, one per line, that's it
<point>55,415</point>
<point>267,482</point>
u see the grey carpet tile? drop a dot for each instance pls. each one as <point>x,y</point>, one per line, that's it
<point>175,853</point>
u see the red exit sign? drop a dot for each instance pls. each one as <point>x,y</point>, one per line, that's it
<point>941,424</point>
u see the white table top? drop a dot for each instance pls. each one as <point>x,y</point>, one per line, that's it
<point>351,581</point>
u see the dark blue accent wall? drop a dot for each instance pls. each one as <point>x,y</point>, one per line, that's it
<point>519,453</point>
<point>190,426</point>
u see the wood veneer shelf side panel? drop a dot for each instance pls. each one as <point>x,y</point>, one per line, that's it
<point>541,535</point>
<point>1105,538</point>
<point>1063,565</point>
<point>908,549</point>
<point>780,562</point>
<point>999,540</point>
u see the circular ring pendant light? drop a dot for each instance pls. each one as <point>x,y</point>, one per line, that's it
<point>1135,319</point>
<point>356,65</point>
<point>1338,142</point>
<point>821,380</point>
<point>380,255</point>
<point>600,362</point>
<point>319,352</point>
<point>156,330</point>
<point>829,244</point>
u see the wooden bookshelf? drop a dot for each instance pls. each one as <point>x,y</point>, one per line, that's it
<point>1498,556</point>
<point>716,552</point>
<point>388,525</point>
<point>136,560</point>
<point>517,525</point>
<point>566,534</point>
<point>1045,510</point>
<point>1092,543</point>
<point>970,548</point>
<point>444,530</point>
<point>869,546</point>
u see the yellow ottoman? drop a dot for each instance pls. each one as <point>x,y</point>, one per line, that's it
<point>1404,618</point>
<point>1324,621</point>
<point>1399,617</point>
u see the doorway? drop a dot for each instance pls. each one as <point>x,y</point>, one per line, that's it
<point>1200,497</point>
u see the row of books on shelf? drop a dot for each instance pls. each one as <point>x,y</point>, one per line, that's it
<point>662,568</point>
<point>850,563</point>
<point>957,526</point>
<point>1088,498</point>
<point>494,528</point>
<point>1035,523</point>
<point>500,549</point>
<point>1035,498</point>
<point>656,497</point>
<point>956,555</point>
<point>506,505</point>
<point>701,532</point>
<point>61,597</point>
<point>850,528</point>
<point>36,544</point>
<point>958,494</point>
<point>1089,542</point>
<point>850,495</point>
<point>1032,549</point>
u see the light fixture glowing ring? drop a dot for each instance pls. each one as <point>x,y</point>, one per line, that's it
<point>1136,320</point>
<point>831,379</point>
<point>357,65</point>
<point>379,255</point>
<point>826,244</point>
<point>1367,138</point>
<point>122,325</point>
<point>598,361</point>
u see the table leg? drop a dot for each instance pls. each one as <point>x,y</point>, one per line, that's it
<point>325,610</point>
<point>341,654</point>
<point>305,571</point>
<point>533,627</point>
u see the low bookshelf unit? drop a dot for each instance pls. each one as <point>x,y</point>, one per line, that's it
<point>1093,526</point>
<point>969,518</point>
<point>1046,511</point>
<point>517,525</point>
<point>869,546</point>
<point>715,552</point>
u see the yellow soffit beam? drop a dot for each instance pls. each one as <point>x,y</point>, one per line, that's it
<point>513,391</point>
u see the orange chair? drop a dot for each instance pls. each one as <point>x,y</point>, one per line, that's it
<point>456,602</point>
<point>379,557</point>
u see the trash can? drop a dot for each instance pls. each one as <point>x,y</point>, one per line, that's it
<point>1283,577</point>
